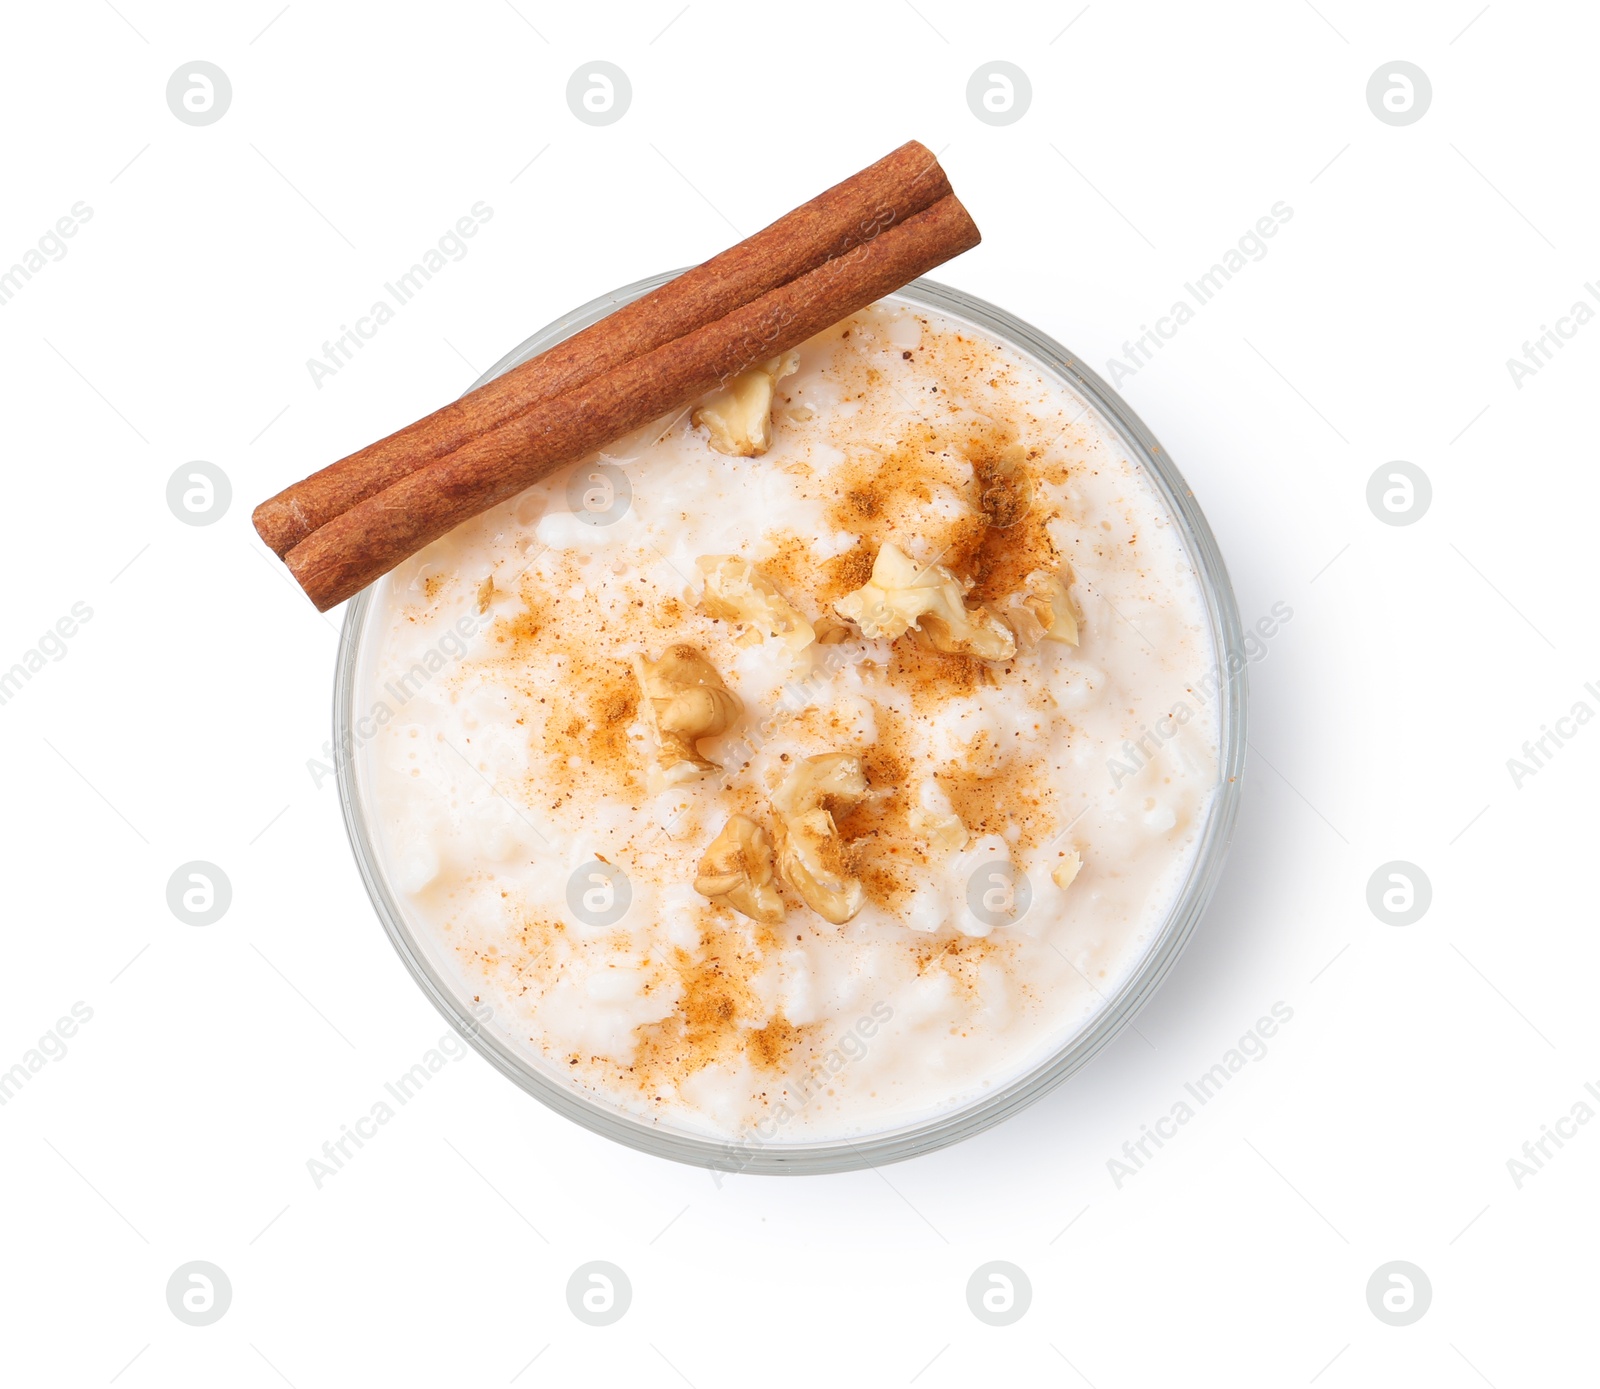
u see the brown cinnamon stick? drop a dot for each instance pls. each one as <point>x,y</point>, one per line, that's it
<point>895,188</point>
<point>370,538</point>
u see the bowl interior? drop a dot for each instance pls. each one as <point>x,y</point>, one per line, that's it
<point>450,996</point>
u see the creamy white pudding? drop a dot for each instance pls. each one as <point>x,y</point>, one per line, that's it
<point>811,793</point>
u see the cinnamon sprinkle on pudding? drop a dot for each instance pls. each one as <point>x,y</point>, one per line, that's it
<point>807,771</point>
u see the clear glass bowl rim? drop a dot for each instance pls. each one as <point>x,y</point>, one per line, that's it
<point>990,1107</point>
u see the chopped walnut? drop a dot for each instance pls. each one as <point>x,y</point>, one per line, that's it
<point>1053,606</point>
<point>1044,613</point>
<point>737,870</point>
<point>812,856</point>
<point>1004,490</point>
<point>736,591</point>
<point>933,818</point>
<point>1018,614</point>
<point>1065,871</point>
<point>684,701</point>
<point>901,595</point>
<point>976,633</point>
<point>738,417</point>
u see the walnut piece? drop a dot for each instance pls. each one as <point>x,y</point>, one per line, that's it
<point>935,819</point>
<point>737,871</point>
<point>1065,871</point>
<point>1005,493</point>
<point>736,591</point>
<point>1044,613</point>
<point>1018,613</point>
<point>831,631</point>
<point>901,595</point>
<point>738,417</point>
<point>812,856</point>
<point>684,701</point>
<point>1052,604</point>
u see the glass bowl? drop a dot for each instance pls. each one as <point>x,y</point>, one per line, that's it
<point>438,980</point>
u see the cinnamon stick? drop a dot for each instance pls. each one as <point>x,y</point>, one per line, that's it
<point>896,187</point>
<point>369,539</point>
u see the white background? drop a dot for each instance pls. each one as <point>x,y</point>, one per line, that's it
<point>180,722</point>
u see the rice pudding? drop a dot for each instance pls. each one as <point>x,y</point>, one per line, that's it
<point>807,765</point>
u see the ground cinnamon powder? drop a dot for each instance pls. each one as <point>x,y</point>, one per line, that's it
<point>587,701</point>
